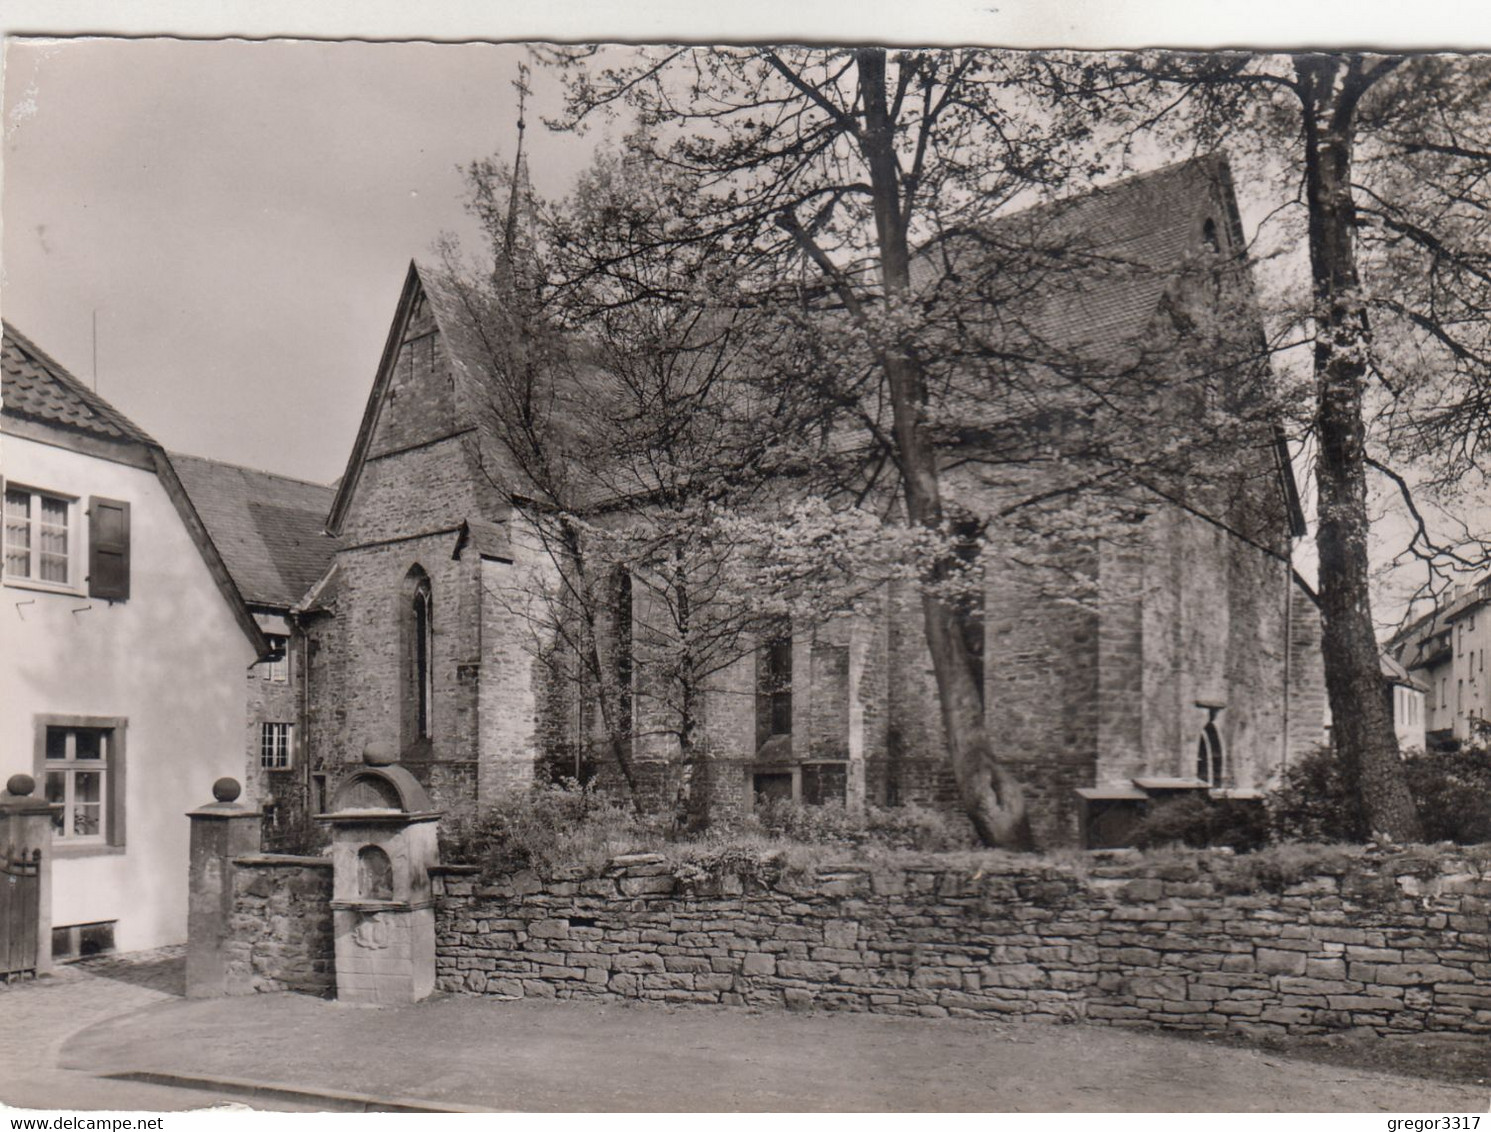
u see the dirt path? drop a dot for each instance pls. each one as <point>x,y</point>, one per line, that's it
<point>535,1056</point>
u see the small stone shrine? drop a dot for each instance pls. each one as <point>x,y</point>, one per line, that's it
<point>383,844</point>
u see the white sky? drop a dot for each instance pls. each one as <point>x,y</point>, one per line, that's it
<point>240,215</point>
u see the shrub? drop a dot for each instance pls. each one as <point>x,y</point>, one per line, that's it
<point>1453,792</point>
<point>1451,786</point>
<point>1200,822</point>
<point>549,827</point>
<point>898,827</point>
<point>1314,802</point>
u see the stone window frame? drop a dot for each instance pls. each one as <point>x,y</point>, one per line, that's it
<point>112,839</point>
<point>1211,756</point>
<point>416,642</point>
<point>623,660</point>
<point>774,677</point>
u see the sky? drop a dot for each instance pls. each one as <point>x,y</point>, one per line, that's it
<point>236,217</point>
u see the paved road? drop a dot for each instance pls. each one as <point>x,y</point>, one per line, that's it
<point>567,1056</point>
<point>37,1018</point>
<point>126,1014</point>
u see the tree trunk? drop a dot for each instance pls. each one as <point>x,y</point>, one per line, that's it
<point>991,796</point>
<point>1362,724</point>
<point>619,743</point>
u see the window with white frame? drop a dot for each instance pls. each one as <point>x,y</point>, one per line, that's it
<point>38,536</point>
<point>274,745</point>
<point>277,669</point>
<point>79,767</point>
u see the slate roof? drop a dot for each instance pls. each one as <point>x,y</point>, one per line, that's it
<point>1111,254</point>
<point>269,529</point>
<point>35,386</point>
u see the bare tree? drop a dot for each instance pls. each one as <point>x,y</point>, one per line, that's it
<point>633,449</point>
<point>922,339</point>
<point>1390,195</point>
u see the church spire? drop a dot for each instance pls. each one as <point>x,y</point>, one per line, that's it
<point>520,187</point>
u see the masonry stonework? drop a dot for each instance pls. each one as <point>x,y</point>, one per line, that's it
<point>280,926</point>
<point>1185,626</point>
<point>1389,943</point>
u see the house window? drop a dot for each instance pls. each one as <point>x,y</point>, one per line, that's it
<point>1210,765</point>
<point>38,537</point>
<point>277,669</point>
<point>319,793</point>
<point>81,767</point>
<point>78,941</point>
<point>274,745</point>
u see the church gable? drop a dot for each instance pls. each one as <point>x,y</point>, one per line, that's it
<point>413,468</point>
<point>418,404</point>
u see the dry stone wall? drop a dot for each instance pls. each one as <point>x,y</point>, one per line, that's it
<point>1393,942</point>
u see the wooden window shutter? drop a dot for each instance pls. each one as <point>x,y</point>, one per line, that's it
<point>108,549</point>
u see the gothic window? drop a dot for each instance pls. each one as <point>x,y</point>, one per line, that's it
<point>1210,765</point>
<point>417,614</point>
<point>622,656</point>
<point>774,685</point>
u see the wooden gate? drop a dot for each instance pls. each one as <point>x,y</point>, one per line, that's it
<point>20,905</point>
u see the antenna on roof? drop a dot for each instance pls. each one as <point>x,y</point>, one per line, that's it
<point>95,349</point>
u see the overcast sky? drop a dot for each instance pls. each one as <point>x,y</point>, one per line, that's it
<point>240,216</point>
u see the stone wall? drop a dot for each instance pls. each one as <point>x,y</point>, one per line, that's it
<point>280,926</point>
<point>1393,943</point>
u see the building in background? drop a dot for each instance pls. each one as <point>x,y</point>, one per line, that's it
<point>269,532</point>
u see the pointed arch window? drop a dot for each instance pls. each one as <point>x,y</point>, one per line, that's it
<point>623,657</point>
<point>1211,765</point>
<point>417,614</point>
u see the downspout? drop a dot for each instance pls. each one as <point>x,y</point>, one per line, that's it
<point>308,778</point>
<point>1288,645</point>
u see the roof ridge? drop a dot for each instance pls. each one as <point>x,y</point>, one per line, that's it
<point>247,468</point>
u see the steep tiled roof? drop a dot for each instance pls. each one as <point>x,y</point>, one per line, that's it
<point>1110,255</point>
<point>268,528</point>
<point>35,386</point>
<point>1090,293</point>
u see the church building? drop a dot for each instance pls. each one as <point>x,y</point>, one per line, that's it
<point>1192,665</point>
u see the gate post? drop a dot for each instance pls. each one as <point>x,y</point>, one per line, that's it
<point>220,832</point>
<point>26,857</point>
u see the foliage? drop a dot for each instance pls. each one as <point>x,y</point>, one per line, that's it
<point>569,826</point>
<point>1451,789</point>
<point>1201,822</point>
<point>897,827</point>
<point>547,828</point>
<point>1315,802</point>
<point>1453,792</point>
